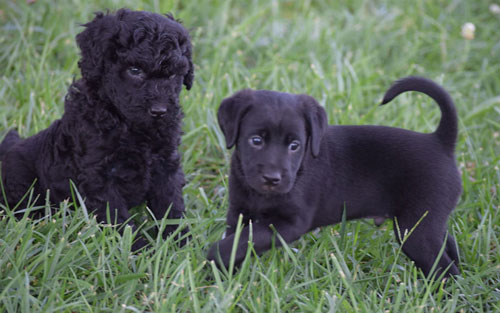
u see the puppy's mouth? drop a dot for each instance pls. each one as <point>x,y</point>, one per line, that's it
<point>268,183</point>
<point>270,189</point>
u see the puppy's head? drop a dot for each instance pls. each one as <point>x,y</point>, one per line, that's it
<point>138,61</point>
<point>272,132</point>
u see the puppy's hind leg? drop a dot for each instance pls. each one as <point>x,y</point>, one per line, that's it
<point>451,249</point>
<point>423,243</point>
<point>10,140</point>
<point>17,178</point>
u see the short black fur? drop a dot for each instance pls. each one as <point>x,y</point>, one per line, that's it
<point>119,135</point>
<point>290,169</point>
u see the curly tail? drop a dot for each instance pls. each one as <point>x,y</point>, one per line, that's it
<point>10,139</point>
<point>447,129</point>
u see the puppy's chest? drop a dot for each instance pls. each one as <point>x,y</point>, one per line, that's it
<point>129,164</point>
<point>260,208</point>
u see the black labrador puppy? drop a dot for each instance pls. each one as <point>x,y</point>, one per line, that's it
<point>293,171</point>
<point>118,137</point>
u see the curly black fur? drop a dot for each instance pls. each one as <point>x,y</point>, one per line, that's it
<point>118,138</point>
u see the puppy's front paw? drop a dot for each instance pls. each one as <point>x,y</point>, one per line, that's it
<point>215,254</point>
<point>139,243</point>
<point>182,238</point>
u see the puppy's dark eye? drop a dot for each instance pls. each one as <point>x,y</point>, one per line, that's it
<point>256,141</point>
<point>294,146</point>
<point>134,71</point>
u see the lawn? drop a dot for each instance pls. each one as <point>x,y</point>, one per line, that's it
<point>343,53</point>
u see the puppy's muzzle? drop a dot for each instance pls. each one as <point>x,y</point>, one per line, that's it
<point>271,179</point>
<point>158,111</point>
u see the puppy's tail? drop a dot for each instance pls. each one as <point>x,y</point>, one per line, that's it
<point>10,139</point>
<point>448,126</point>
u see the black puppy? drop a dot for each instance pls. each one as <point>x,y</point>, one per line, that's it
<point>290,169</point>
<point>118,138</point>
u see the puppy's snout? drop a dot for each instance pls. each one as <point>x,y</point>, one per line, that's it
<point>273,178</point>
<point>158,111</point>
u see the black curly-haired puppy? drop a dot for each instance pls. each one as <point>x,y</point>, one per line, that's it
<point>290,169</point>
<point>118,137</point>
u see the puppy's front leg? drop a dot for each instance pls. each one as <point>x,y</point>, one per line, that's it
<point>118,213</point>
<point>262,238</point>
<point>166,194</point>
<point>232,221</point>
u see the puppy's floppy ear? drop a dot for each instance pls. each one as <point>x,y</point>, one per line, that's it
<point>231,111</point>
<point>95,43</point>
<point>189,77</point>
<point>187,51</point>
<point>316,121</point>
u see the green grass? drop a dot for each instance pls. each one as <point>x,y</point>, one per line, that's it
<point>345,54</point>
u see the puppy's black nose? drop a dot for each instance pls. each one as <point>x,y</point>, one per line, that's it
<point>157,111</point>
<point>272,178</point>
